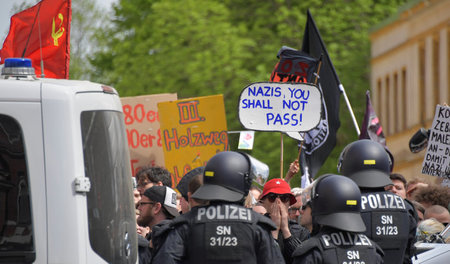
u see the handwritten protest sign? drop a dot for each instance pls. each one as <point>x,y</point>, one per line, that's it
<point>437,158</point>
<point>285,107</point>
<point>193,130</point>
<point>143,131</point>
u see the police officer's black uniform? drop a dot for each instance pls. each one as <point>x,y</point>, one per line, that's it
<point>390,220</point>
<point>338,226</point>
<point>224,231</point>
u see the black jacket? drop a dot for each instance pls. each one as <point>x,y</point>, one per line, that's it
<point>144,253</point>
<point>219,233</point>
<point>331,246</point>
<point>391,222</point>
<point>288,245</point>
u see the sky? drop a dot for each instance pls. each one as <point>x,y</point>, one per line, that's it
<point>6,7</point>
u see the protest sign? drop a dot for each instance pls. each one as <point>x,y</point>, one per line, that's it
<point>284,107</point>
<point>143,130</point>
<point>246,139</point>
<point>193,130</point>
<point>437,158</point>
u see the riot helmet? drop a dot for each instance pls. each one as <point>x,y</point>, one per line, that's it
<point>183,184</point>
<point>226,177</point>
<point>367,163</point>
<point>336,202</point>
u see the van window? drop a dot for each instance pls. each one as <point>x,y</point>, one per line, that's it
<point>111,213</point>
<point>16,229</point>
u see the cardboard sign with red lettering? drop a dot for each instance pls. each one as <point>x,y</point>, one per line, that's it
<point>143,129</point>
<point>193,130</point>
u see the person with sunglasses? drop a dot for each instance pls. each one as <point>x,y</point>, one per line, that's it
<point>306,219</point>
<point>277,198</point>
<point>294,210</point>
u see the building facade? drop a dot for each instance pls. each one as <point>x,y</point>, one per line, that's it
<point>410,75</point>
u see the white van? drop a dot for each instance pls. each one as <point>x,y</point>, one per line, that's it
<point>65,177</point>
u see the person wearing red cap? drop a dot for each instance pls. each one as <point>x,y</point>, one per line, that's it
<point>276,198</point>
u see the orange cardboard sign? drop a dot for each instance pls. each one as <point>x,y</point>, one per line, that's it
<point>193,130</point>
<point>143,129</point>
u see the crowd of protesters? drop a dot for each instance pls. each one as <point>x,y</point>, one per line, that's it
<point>280,223</point>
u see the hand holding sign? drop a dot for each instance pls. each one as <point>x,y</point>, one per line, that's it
<point>285,107</point>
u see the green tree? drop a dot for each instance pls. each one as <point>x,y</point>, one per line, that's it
<point>344,27</point>
<point>207,47</point>
<point>87,19</point>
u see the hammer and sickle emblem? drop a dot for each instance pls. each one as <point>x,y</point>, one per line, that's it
<point>57,34</point>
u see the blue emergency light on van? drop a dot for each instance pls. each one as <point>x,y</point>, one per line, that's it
<point>18,67</point>
<point>17,62</point>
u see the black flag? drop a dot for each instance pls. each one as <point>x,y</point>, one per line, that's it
<point>371,128</point>
<point>320,141</point>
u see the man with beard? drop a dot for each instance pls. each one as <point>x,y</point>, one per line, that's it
<point>157,206</point>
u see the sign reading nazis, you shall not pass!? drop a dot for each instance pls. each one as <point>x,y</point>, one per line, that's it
<point>437,158</point>
<point>284,107</point>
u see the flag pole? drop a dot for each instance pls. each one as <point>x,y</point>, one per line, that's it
<point>318,69</point>
<point>281,157</point>
<point>31,30</point>
<point>300,150</point>
<point>355,123</point>
<point>40,46</point>
<point>341,87</point>
<point>315,83</point>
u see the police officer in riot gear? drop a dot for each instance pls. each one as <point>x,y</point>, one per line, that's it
<point>223,231</point>
<point>390,220</point>
<point>338,226</point>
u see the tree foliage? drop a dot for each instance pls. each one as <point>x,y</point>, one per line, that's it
<point>87,19</point>
<point>206,47</point>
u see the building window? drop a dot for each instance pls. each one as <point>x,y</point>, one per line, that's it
<point>436,67</point>
<point>386,114</point>
<point>379,98</point>
<point>422,94</point>
<point>396,104</point>
<point>448,65</point>
<point>404,101</point>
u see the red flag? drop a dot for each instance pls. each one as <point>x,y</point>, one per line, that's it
<point>41,31</point>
